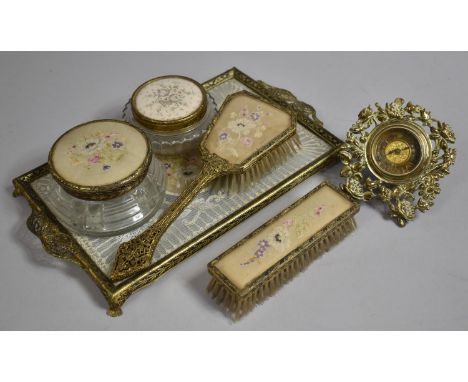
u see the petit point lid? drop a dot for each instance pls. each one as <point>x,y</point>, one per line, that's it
<point>169,103</point>
<point>245,125</point>
<point>100,160</point>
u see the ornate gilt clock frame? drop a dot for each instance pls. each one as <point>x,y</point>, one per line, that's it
<point>364,182</point>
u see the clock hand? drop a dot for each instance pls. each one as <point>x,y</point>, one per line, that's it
<point>397,151</point>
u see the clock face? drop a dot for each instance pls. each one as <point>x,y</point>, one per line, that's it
<point>396,152</point>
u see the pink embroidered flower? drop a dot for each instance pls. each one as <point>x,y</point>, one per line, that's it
<point>247,141</point>
<point>223,136</point>
<point>319,210</point>
<point>288,222</point>
<point>94,158</point>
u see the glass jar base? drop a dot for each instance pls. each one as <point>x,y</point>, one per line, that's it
<point>176,142</point>
<point>115,216</point>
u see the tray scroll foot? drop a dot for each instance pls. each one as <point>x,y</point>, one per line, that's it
<point>114,311</point>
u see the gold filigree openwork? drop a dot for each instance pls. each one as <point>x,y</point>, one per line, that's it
<point>398,193</point>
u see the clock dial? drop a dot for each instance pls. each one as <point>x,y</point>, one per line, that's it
<point>396,152</point>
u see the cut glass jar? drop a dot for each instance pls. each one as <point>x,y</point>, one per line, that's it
<point>174,111</point>
<point>108,180</point>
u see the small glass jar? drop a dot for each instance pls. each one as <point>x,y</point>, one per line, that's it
<point>109,181</point>
<point>174,111</point>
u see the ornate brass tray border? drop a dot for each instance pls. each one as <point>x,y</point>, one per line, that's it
<point>57,240</point>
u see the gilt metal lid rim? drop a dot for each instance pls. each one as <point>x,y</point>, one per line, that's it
<point>106,191</point>
<point>174,124</point>
<point>171,133</point>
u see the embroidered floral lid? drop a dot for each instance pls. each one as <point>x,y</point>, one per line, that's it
<point>255,256</point>
<point>245,125</point>
<point>169,103</point>
<point>100,160</point>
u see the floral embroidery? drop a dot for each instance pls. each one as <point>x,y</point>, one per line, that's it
<point>169,98</point>
<point>94,158</point>
<point>319,210</point>
<point>244,127</point>
<point>288,222</point>
<point>181,170</point>
<point>263,243</point>
<point>97,148</point>
<point>281,236</point>
<point>303,221</point>
<point>280,239</point>
<point>223,136</point>
<point>247,141</point>
<point>171,95</point>
<point>255,116</point>
<point>260,252</point>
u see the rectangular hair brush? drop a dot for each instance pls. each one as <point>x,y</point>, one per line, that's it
<point>254,268</point>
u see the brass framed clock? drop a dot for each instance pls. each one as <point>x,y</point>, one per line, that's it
<point>398,154</point>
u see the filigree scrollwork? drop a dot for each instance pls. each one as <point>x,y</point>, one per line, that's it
<point>286,98</point>
<point>55,242</point>
<point>136,254</point>
<point>400,199</point>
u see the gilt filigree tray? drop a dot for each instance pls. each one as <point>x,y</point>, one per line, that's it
<point>210,215</point>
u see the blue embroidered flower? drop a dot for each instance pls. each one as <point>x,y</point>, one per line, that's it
<point>223,136</point>
<point>167,165</point>
<point>255,116</point>
<point>117,144</point>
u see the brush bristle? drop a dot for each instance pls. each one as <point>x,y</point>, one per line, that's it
<point>240,182</point>
<point>237,306</point>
